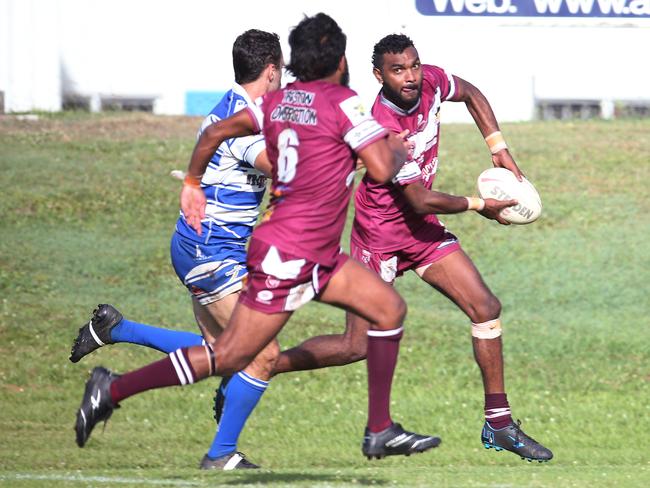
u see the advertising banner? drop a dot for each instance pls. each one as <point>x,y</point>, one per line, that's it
<point>536,8</point>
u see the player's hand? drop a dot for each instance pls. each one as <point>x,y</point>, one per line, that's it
<point>408,145</point>
<point>399,145</point>
<point>503,159</point>
<point>193,204</point>
<point>492,209</point>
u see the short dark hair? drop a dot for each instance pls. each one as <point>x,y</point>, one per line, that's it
<point>253,51</point>
<point>392,43</point>
<point>317,46</point>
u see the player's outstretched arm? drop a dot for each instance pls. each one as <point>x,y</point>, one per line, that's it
<point>482,113</point>
<point>192,197</point>
<point>426,201</point>
<point>384,158</point>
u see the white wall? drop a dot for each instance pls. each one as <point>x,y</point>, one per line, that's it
<point>165,48</point>
<point>29,55</point>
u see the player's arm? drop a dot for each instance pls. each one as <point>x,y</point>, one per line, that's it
<point>192,197</point>
<point>482,113</point>
<point>426,202</point>
<point>384,157</point>
<point>263,164</point>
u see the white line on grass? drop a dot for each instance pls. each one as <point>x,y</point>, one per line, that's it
<point>96,479</point>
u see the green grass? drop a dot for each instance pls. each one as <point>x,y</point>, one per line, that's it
<point>87,212</point>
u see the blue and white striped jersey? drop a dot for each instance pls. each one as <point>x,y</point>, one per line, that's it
<point>232,186</point>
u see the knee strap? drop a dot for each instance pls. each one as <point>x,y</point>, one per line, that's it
<point>487,330</point>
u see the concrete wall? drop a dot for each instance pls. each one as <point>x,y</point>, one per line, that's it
<point>165,49</point>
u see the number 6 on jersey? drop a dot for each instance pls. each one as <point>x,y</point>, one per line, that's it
<point>287,155</point>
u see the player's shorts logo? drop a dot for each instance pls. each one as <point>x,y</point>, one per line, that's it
<point>264,296</point>
<point>365,256</point>
<point>199,254</point>
<point>388,269</point>
<point>272,282</point>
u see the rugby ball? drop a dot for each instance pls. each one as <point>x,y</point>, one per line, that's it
<point>502,184</point>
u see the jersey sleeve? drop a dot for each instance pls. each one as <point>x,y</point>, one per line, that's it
<point>247,148</point>
<point>439,77</point>
<point>409,173</point>
<point>359,127</point>
<point>256,114</point>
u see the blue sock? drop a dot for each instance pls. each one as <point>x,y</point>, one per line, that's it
<point>242,394</point>
<point>164,340</point>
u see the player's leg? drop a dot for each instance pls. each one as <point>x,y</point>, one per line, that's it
<point>213,318</point>
<point>456,277</point>
<point>108,326</point>
<point>248,332</point>
<point>362,292</point>
<point>327,350</point>
<point>209,272</point>
<point>237,398</point>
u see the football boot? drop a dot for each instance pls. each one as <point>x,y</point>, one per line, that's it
<point>220,398</point>
<point>395,441</point>
<point>227,462</point>
<point>96,404</point>
<point>512,438</point>
<point>96,332</point>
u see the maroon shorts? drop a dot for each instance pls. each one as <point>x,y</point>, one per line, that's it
<point>416,255</point>
<point>280,282</point>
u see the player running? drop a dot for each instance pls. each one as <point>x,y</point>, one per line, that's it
<point>313,129</point>
<point>212,265</point>
<point>396,229</point>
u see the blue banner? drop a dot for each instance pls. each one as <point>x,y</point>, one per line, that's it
<point>536,8</point>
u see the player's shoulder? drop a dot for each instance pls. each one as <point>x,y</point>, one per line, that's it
<point>433,73</point>
<point>232,102</point>
<point>335,94</point>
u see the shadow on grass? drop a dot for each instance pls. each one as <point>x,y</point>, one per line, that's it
<point>283,479</point>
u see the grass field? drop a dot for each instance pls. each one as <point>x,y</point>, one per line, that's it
<point>87,212</point>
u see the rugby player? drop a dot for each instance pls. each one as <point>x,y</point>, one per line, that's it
<point>313,129</point>
<point>212,265</point>
<point>396,229</point>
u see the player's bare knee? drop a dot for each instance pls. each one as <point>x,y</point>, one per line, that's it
<point>356,345</point>
<point>392,314</point>
<point>487,309</point>
<point>263,365</point>
<point>228,360</point>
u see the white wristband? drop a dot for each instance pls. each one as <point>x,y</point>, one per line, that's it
<point>474,203</point>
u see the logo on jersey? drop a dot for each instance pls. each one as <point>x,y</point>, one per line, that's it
<point>354,110</point>
<point>429,170</point>
<point>296,115</point>
<point>298,97</point>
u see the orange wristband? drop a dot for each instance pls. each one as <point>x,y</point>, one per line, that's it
<point>496,142</point>
<point>194,181</point>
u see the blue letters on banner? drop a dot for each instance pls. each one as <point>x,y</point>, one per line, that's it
<point>536,8</point>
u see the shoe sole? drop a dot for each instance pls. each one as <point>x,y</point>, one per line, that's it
<point>407,454</point>
<point>498,449</point>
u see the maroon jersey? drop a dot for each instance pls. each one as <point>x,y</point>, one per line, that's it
<point>384,219</point>
<point>312,130</point>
